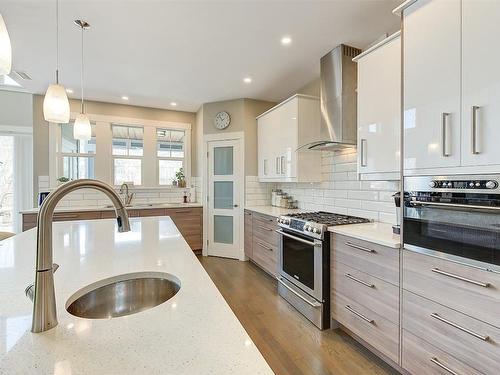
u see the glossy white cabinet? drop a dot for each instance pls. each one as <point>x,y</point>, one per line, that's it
<point>480,82</point>
<point>432,107</point>
<point>379,108</point>
<point>280,132</point>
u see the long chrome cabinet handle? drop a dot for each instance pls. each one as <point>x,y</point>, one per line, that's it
<point>444,367</point>
<point>474,137</point>
<point>454,205</point>
<point>297,238</point>
<point>63,216</point>
<point>462,278</point>
<point>264,246</point>
<point>313,304</point>
<point>277,166</point>
<point>444,134</point>
<point>457,326</point>
<point>264,228</point>
<point>359,315</point>
<point>363,153</point>
<point>362,248</point>
<point>349,276</point>
<point>282,165</point>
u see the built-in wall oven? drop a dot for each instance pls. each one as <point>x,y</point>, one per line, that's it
<point>457,217</point>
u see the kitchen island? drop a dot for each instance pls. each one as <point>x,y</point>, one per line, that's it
<point>194,332</point>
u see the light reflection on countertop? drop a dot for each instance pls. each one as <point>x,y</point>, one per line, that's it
<point>195,332</point>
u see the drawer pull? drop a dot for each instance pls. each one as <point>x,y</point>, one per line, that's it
<point>349,276</point>
<point>362,248</point>
<point>359,315</point>
<point>264,246</point>
<point>458,277</point>
<point>444,367</point>
<point>66,216</point>
<point>264,228</point>
<point>463,329</point>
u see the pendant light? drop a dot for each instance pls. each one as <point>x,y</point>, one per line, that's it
<point>5,49</point>
<point>82,129</point>
<point>56,103</point>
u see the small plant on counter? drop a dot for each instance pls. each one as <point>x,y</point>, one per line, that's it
<point>180,178</point>
<point>63,180</point>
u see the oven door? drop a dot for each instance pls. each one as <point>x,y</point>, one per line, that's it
<point>460,230</point>
<point>301,263</point>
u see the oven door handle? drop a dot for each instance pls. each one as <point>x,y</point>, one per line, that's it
<point>454,205</point>
<point>313,304</point>
<point>298,238</point>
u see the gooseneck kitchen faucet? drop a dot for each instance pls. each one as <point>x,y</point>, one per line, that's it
<point>42,292</point>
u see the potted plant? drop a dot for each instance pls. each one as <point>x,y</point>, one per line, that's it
<point>180,178</point>
<point>62,180</point>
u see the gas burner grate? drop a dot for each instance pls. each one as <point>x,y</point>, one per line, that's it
<point>328,218</point>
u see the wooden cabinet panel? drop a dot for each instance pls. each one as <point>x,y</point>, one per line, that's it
<point>248,239</point>
<point>420,357</point>
<point>377,331</point>
<point>471,341</point>
<point>373,259</point>
<point>152,212</point>
<point>371,292</point>
<point>83,215</point>
<point>471,290</point>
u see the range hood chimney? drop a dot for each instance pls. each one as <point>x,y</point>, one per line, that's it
<point>339,78</point>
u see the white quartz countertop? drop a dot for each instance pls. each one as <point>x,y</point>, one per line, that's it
<point>139,206</point>
<point>195,332</point>
<point>380,233</point>
<point>273,211</point>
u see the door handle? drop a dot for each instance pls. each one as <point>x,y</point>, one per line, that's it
<point>363,153</point>
<point>235,205</point>
<point>282,164</point>
<point>474,136</point>
<point>444,134</point>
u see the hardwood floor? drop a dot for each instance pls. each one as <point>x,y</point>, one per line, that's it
<point>289,342</point>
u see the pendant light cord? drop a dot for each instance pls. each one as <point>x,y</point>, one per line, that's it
<point>57,42</point>
<point>81,76</point>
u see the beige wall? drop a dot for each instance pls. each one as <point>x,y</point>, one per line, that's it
<point>243,113</point>
<point>16,109</point>
<point>41,132</point>
<point>312,88</point>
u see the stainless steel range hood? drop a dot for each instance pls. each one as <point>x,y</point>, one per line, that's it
<point>338,100</point>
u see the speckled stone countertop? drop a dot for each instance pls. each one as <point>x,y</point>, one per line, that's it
<point>141,206</point>
<point>380,233</point>
<point>195,332</point>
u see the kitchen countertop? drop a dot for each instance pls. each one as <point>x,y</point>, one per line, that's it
<point>273,211</point>
<point>195,332</point>
<point>138,206</point>
<point>380,233</point>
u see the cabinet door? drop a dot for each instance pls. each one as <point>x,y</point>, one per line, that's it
<point>432,55</point>
<point>263,146</point>
<point>480,82</point>
<point>287,138</point>
<point>379,115</point>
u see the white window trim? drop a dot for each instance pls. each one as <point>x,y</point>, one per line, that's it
<point>158,158</point>
<point>104,157</point>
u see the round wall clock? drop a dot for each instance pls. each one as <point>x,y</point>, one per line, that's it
<point>222,120</point>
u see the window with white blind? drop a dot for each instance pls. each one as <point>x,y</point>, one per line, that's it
<point>127,151</point>
<point>78,157</point>
<point>170,151</point>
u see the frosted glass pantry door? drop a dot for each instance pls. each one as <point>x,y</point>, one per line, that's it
<point>225,181</point>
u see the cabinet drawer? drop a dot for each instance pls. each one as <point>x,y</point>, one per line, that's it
<point>111,214</point>
<point>470,290</point>
<point>420,357</point>
<point>371,292</point>
<point>265,219</point>
<point>185,212</point>
<point>265,233</point>
<point>248,234</point>
<point>366,324</point>
<point>475,343</point>
<point>70,216</point>
<point>152,212</point>
<point>265,255</point>
<point>368,257</point>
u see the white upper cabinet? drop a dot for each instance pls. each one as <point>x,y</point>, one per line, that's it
<point>280,132</point>
<point>379,108</point>
<point>432,108</point>
<point>480,82</point>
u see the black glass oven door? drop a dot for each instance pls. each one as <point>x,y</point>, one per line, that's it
<point>298,260</point>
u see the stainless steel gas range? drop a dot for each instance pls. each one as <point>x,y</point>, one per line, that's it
<point>304,262</point>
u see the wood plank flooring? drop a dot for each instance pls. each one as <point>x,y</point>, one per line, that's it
<point>289,342</point>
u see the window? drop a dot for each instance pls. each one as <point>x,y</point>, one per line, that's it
<point>170,151</point>
<point>128,150</point>
<point>78,157</point>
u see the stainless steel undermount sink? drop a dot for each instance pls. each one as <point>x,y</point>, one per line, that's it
<point>123,295</point>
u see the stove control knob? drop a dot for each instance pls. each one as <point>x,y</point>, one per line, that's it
<point>316,230</point>
<point>450,184</point>
<point>491,185</point>
<point>433,184</point>
<point>478,184</point>
<point>471,184</point>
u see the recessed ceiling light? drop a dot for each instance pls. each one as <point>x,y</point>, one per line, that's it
<point>286,40</point>
<point>69,91</point>
<point>247,80</point>
<point>173,104</point>
<point>125,97</point>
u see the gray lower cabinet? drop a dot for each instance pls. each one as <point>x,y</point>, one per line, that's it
<point>261,241</point>
<point>365,292</point>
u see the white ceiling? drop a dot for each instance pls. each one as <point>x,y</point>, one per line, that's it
<point>189,52</point>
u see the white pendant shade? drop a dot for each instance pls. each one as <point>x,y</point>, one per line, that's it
<point>81,128</point>
<point>5,49</point>
<point>56,105</point>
